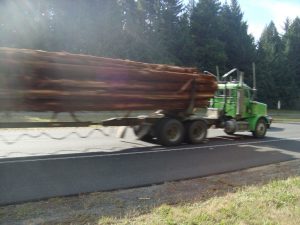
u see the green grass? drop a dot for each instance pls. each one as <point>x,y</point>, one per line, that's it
<point>285,115</point>
<point>275,203</point>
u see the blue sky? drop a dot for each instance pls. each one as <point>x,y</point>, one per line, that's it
<point>259,13</point>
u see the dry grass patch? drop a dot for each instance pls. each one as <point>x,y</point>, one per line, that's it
<point>275,203</point>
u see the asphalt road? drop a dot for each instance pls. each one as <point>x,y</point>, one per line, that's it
<point>36,168</point>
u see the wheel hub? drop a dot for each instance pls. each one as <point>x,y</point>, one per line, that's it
<point>197,132</point>
<point>173,133</point>
<point>260,128</point>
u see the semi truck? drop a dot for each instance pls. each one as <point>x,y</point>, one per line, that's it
<point>233,108</point>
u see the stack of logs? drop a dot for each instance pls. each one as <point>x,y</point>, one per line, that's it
<point>61,82</point>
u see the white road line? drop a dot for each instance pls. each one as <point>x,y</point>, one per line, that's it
<point>147,152</point>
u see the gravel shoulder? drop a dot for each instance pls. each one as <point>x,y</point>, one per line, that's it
<point>89,208</point>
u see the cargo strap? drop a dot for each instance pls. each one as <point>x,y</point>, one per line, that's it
<point>191,106</point>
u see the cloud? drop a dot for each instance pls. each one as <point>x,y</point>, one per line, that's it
<point>280,10</point>
<point>256,29</point>
<point>259,13</point>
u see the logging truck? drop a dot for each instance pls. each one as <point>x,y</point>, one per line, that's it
<point>232,108</point>
<point>39,81</point>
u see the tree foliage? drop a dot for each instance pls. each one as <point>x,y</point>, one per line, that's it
<point>278,65</point>
<point>239,45</point>
<point>203,33</point>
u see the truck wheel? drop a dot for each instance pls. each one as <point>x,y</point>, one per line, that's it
<point>229,133</point>
<point>143,132</point>
<point>196,131</point>
<point>260,129</point>
<point>169,132</point>
<point>230,127</point>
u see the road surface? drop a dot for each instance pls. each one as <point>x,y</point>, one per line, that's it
<point>35,168</point>
<point>38,142</point>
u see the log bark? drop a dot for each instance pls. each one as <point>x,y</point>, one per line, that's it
<point>82,72</point>
<point>67,58</point>
<point>46,81</point>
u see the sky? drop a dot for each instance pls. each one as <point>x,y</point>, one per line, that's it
<point>259,13</point>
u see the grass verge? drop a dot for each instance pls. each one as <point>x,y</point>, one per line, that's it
<point>275,203</point>
<point>284,116</point>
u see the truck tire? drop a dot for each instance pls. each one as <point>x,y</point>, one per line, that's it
<point>195,131</point>
<point>230,127</point>
<point>143,132</point>
<point>260,129</point>
<point>229,133</point>
<point>169,132</point>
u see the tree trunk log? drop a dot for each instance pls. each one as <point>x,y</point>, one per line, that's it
<point>47,81</point>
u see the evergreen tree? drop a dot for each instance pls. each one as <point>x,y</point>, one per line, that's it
<point>134,41</point>
<point>293,59</point>
<point>105,27</point>
<point>239,45</point>
<point>293,49</point>
<point>152,18</point>
<point>205,30</point>
<point>286,25</point>
<point>169,31</point>
<point>190,7</point>
<point>185,44</point>
<point>23,25</point>
<point>273,83</point>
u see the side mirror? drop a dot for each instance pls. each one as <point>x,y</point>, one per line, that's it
<point>229,73</point>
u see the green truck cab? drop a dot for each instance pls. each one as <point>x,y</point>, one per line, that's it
<point>234,108</point>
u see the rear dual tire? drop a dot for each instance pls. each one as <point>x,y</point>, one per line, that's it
<point>196,131</point>
<point>171,132</point>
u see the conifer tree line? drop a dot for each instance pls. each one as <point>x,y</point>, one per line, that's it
<point>204,33</point>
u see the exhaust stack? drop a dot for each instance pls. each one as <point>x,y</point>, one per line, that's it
<point>254,80</point>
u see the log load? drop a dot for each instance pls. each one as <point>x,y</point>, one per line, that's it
<point>32,80</point>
